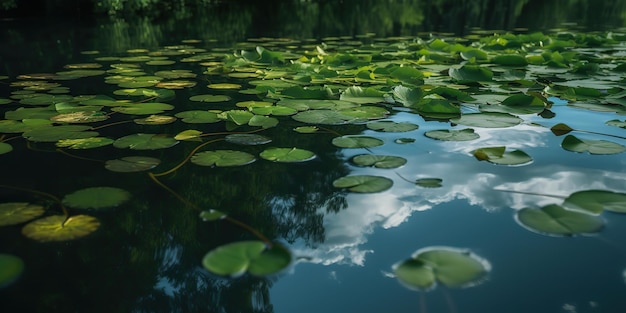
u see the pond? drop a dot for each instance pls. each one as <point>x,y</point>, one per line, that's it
<point>318,164</point>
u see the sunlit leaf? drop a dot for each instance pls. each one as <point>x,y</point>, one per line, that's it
<point>84,143</point>
<point>12,213</point>
<point>60,227</point>
<point>361,95</point>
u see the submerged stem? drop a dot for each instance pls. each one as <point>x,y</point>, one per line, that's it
<point>532,193</point>
<point>45,194</point>
<point>175,168</point>
<point>110,124</point>
<point>78,157</point>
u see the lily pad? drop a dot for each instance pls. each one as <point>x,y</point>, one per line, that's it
<point>60,227</point>
<point>465,134</point>
<point>145,142</point>
<point>84,143</point>
<point>222,158</point>
<point>248,139</point>
<point>189,134</point>
<point>363,183</point>
<point>155,120</point>
<point>306,129</point>
<point>11,267</point>
<point>131,164</point>
<point>362,95</point>
<point>80,117</point>
<point>391,126</point>
<point>254,257</point>
<point>357,142</point>
<point>287,155</point>
<point>451,267</point>
<point>497,155</point>
<point>146,108</point>
<point>5,148</point>
<point>210,98</point>
<point>324,117</point>
<point>198,117</point>
<point>379,161</point>
<point>574,144</point>
<point>429,182</point>
<point>96,198</point>
<point>56,133</point>
<point>596,201</point>
<point>12,213</point>
<point>488,120</point>
<point>554,220</point>
<point>212,215</point>
<point>470,74</point>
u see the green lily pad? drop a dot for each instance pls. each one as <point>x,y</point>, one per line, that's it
<point>254,257</point>
<point>277,110</point>
<point>379,161</point>
<point>404,140</point>
<point>487,120</point>
<point>198,117</point>
<point>617,123</point>
<point>363,183</point>
<point>60,227</point>
<point>11,267</point>
<point>497,155</point>
<point>362,95</point>
<point>145,142</point>
<point>365,112</point>
<point>263,121</point>
<point>224,86</point>
<point>324,117</point>
<point>13,213</point>
<point>596,201</point>
<point>554,220</point>
<point>516,104</point>
<point>306,129</point>
<point>465,134</point>
<point>222,158</point>
<point>248,139</point>
<point>288,155</point>
<point>574,144</point>
<point>510,60</point>
<point>131,164</point>
<point>357,142</point>
<point>212,215</point>
<point>429,182</point>
<point>471,73</point>
<point>146,108</point>
<point>56,133</point>
<point>239,117</point>
<point>407,96</point>
<point>155,120</point>
<point>210,98</point>
<point>391,126</point>
<point>451,267</point>
<point>84,143</point>
<point>189,134</point>
<point>5,148</point>
<point>96,198</point>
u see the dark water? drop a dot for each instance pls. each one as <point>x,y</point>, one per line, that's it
<point>146,256</point>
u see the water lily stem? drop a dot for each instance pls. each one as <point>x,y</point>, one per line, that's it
<point>45,194</point>
<point>531,193</point>
<point>175,168</point>
<point>78,157</point>
<point>110,124</point>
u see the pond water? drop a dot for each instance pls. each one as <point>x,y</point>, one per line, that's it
<point>309,92</point>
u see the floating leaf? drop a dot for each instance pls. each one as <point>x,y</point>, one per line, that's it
<point>190,134</point>
<point>212,215</point>
<point>617,123</point>
<point>407,96</point>
<point>224,86</point>
<point>84,143</point>
<point>497,155</point>
<point>510,60</point>
<point>80,117</point>
<point>451,267</point>
<point>60,227</point>
<point>96,198</point>
<point>404,140</point>
<point>391,126</point>
<point>595,201</point>
<point>356,142</point>
<point>452,135</point>
<point>325,117</point>
<point>429,182</point>
<point>560,129</point>
<point>210,98</point>
<point>517,104</point>
<point>471,73</point>
<point>288,155</point>
<point>379,161</point>
<point>248,139</point>
<point>131,164</point>
<point>145,142</point>
<point>574,144</point>
<point>146,108</point>
<point>306,129</point>
<point>11,267</point>
<point>554,220</point>
<point>239,117</point>
<point>363,183</point>
<point>5,148</point>
<point>155,120</point>
<point>13,213</point>
<point>263,121</point>
<point>222,158</point>
<point>198,117</point>
<point>56,133</point>
<point>487,120</point>
<point>361,95</point>
<point>254,257</point>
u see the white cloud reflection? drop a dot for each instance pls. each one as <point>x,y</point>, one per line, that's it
<point>463,178</point>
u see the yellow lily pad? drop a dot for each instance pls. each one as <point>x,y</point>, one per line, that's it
<point>13,213</point>
<point>57,228</point>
